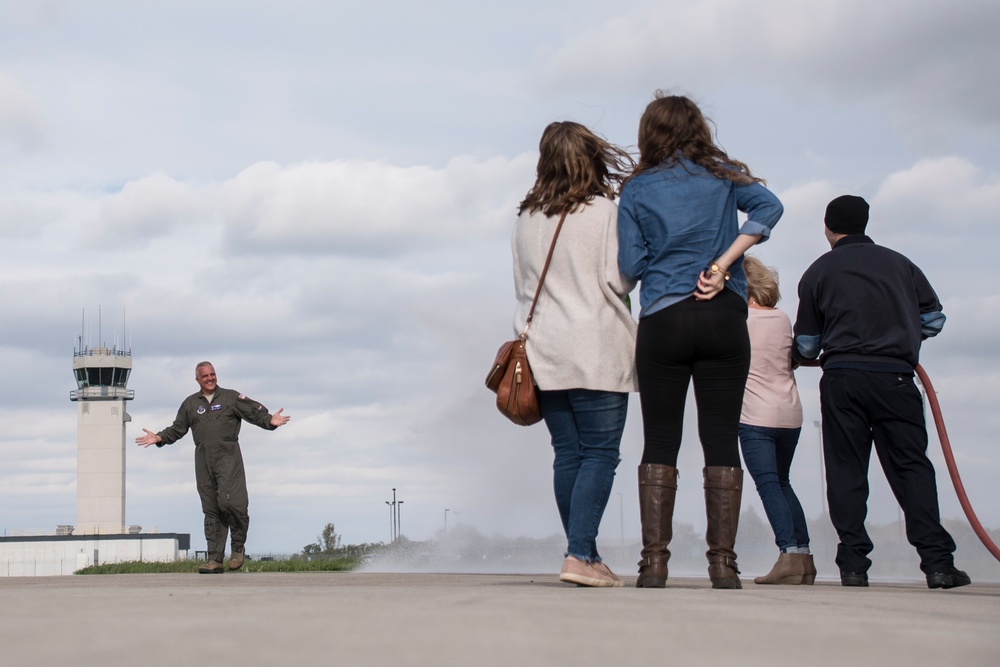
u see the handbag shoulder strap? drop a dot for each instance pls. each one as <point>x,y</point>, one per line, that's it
<point>541,277</point>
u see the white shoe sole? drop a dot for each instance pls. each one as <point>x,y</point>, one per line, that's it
<point>582,580</point>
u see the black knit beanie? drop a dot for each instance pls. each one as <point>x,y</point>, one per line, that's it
<point>847,214</point>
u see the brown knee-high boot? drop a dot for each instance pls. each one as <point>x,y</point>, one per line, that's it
<point>657,491</point>
<point>723,493</point>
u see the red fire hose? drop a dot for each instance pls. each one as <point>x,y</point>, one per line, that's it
<point>949,458</point>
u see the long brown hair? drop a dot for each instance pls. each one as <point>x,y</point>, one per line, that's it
<point>574,166</point>
<point>673,126</point>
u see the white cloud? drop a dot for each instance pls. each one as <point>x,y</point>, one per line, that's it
<point>948,196</point>
<point>31,13</point>
<point>20,118</point>
<point>22,218</point>
<point>928,63</point>
<point>146,208</point>
<point>351,208</point>
<point>366,208</point>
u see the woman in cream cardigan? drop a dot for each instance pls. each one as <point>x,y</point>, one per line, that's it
<point>582,337</point>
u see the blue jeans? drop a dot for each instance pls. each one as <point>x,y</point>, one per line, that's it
<point>586,428</point>
<point>767,454</point>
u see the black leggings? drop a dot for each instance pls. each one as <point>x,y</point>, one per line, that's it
<point>704,340</point>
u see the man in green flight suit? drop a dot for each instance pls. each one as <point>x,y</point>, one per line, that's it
<point>214,416</point>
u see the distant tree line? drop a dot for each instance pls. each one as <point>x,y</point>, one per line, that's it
<point>328,545</point>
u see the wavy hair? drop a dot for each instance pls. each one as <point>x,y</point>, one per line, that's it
<point>674,126</point>
<point>574,166</point>
<point>762,282</point>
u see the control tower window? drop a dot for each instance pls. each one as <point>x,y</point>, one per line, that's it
<point>101,377</point>
<point>121,377</point>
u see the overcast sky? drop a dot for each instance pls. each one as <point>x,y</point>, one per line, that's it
<point>318,197</point>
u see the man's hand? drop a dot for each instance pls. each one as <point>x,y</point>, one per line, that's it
<point>149,439</point>
<point>278,419</point>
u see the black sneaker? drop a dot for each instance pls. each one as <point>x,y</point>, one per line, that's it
<point>854,579</point>
<point>950,578</point>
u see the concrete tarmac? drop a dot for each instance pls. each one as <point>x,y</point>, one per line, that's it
<point>358,618</point>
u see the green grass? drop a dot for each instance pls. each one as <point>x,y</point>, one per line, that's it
<point>250,566</point>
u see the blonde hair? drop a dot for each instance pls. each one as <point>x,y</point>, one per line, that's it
<point>574,166</point>
<point>762,282</point>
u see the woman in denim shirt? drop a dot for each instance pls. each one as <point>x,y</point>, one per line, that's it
<point>679,235</point>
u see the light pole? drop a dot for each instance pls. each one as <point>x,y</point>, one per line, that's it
<point>392,524</point>
<point>399,528</point>
<point>446,510</point>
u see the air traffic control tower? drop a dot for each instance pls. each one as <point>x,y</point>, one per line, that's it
<point>101,381</point>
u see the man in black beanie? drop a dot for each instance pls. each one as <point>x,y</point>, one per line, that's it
<point>867,308</point>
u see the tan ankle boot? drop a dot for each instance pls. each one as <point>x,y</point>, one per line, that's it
<point>723,494</point>
<point>657,492</point>
<point>808,569</point>
<point>788,570</point>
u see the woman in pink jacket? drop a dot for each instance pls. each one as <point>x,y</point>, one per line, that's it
<point>770,425</point>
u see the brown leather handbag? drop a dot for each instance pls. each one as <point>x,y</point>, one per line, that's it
<point>510,375</point>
